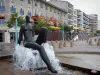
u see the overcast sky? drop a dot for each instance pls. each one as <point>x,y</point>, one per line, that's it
<point>87,6</point>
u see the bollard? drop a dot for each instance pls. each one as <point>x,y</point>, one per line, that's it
<point>98,43</point>
<point>60,45</point>
<point>53,45</point>
<point>56,41</point>
<point>64,43</point>
<point>90,42</point>
<point>87,41</point>
<point>71,43</point>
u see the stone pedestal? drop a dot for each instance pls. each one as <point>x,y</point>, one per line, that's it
<point>60,45</point>
<point>98,43</point>
<point>90,42</point>
<point>56,41</point>
<point>64,43</point>
<point>7,37</point>
<point>71,43</point>
<point>52,43</point>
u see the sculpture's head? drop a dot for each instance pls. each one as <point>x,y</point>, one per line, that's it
<point>42,38</point>
<point>27,19</point>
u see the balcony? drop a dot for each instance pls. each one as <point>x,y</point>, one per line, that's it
<point>13,10</point>
<point>2,8</point>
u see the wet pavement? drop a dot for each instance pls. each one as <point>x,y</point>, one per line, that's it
<point>6,68</point>
<point>88,61</point>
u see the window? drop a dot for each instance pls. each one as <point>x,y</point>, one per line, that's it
<point>1,37</point>
<point>29,1</point>
<point>64,15</point>
<point>46,7</point>
<point>41,5</point>
<point>61,13</point>
<point>12,1</point>
<point>54,11</point>
<point>58,13</point>
<point>35,3</point>
<point>50,9</point>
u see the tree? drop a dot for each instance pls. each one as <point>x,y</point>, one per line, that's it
<point>40,23</point>
<point>12,19</point>
<point>98,31</point>
<point>68,28</point>
<point>20,21</point>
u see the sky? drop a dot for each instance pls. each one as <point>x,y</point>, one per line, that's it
<point>87,6</point>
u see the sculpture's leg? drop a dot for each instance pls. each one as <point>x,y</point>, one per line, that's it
<point>42,54</point>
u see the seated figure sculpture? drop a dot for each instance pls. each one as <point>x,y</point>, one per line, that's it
<point>27,30</point>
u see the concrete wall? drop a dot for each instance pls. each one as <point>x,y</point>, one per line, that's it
<point>7,37</point>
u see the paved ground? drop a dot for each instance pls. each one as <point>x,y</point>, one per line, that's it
<point>88,61</point>
<point>78,47</point>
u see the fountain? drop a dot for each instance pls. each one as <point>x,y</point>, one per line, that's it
<point>38,67</point>
<point>26,59</point>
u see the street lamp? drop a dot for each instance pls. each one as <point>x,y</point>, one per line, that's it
<point>63,33</point>
<point>16,34</point>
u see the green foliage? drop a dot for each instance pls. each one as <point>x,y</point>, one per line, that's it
<point>68,28</point>
<point>98,31</point>
<point>40,23</point>
<point>20,21</point>
<point>12,19</point>
<point>62,27</point>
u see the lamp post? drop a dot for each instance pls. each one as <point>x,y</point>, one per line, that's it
<point>63,33</point>
<point>16,33</point>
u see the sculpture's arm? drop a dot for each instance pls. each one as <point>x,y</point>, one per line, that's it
<point>20,35</point>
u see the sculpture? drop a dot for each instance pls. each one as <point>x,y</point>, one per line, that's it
<point>27,30</point>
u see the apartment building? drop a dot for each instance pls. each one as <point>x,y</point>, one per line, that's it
<point>34,7</point>
<point>93,23</point>
<point>75,18</point>
<point>82,20</point>
<point>67,7</point>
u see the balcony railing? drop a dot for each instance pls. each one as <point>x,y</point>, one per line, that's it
<point>2,8</point>
<point>13,10</point>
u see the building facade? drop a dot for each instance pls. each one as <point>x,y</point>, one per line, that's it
<point>81,20</point>
<point>93,23</point>
<point>28,7</point>
<point>34,7</point>
<point>75,18</point>
<point>67,7</point>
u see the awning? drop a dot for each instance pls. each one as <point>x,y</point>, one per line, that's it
<point>3,28</point>
<point>13,29</point>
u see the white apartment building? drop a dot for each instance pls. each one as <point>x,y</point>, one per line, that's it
<point>67,7</point>
<point>31,8</point>
<point>82,20</point>
<point>93,23</point>
<point>75,18</point>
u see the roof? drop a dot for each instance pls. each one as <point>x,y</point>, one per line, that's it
<point>47,3</point>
